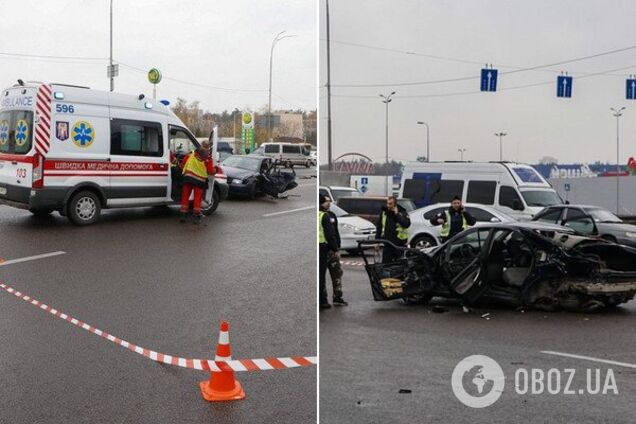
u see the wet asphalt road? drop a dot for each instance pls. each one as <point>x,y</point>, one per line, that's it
<point>142,276</point>
<point>370,350</point>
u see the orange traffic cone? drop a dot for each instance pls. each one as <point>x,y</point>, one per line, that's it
<point>222,385</point>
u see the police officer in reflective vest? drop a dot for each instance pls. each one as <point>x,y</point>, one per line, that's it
<point>453,220</point>
<point>391,225</point>
<point>196,168</point>
<point>328,252</point>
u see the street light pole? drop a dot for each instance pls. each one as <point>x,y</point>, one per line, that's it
<point>386,100</point>
<point>617,113</point>
<point>329,151</point>
<point>428,151</point>
<point>276,39</point>
<point>112,77</point>
<point>461,152</point>
<point>501,135</point>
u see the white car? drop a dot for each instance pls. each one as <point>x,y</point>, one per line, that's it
<point>336,192</point>
<point>314,157</point>
<point>423,234</point>
<point>352,228</point>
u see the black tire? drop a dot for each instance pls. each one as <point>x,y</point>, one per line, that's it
<point>84,208</point>
<point>215,204</point>
<point>41,212</point>
<point>251,194</point>
<point>417,299</point>
<point>424,240</point>
<point>609,238</point>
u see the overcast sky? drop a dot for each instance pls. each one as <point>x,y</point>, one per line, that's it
<point>468,34</point>
<point>221,43</point>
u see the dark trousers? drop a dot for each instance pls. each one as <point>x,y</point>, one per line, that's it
<point>335,272</point>
<point>322,276</point>
<point>390,254</point>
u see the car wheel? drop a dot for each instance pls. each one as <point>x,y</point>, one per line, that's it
<point>209,209</point>
<point>417,299</point>
<point>609,238</point>
<point>84,208</point>
<point>423,241</point>
<point>251,193</point>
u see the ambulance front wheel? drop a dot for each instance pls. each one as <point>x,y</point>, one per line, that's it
<point>208,209</point>
<point>84,208</point>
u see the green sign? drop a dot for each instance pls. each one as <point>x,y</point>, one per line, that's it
<point>248,137</point>
<point>154,76</point>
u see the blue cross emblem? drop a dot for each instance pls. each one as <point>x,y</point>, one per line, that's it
<point>4,132</point>
<point>82,134</point>
<point>21,132</point>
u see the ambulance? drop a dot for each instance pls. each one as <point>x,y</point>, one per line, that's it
<point>77,151</point>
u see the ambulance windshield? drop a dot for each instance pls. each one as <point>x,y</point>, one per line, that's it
<point>16,129</point>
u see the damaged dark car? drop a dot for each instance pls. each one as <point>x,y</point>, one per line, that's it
<point>250,176</point>
<point>525,264</point>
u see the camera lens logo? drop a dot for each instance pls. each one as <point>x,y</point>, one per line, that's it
<point>478,381</point>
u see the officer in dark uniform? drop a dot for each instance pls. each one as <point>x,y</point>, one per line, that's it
<point>453,220</point>
<point>392,225</point>
<point>328,246</point>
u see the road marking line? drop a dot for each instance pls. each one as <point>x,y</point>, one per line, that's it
<point>31,258</point>
<point>590,358</point>
<point>290,211</point>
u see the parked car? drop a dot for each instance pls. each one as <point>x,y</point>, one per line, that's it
<point>526,264</point>
<point>424,234</point>
<point>336,192</point>
<point>313,155</point>
<point>251,175</point>
<point>352,228</point>
<point>590,220</point>
<point>369,207</point>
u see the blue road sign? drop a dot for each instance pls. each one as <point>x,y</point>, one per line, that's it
<point>564,86</point>
<point>363,189</point>
<point>630,89</point>
<point>364,180</point>
<point>488,80</point>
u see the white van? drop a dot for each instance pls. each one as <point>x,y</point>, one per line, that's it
<point>287,154</point>
<point>517,189</point>
<point>77,151</point>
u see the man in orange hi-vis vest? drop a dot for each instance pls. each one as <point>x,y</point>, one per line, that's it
<point>196,168</point>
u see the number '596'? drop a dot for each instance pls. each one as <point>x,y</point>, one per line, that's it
<point>64,108</point>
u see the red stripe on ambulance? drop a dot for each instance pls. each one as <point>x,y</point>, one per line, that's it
<point>43,129</point>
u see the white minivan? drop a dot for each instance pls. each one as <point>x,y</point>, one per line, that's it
<point>517,189</point>
<point>78,151</point>
<point>287,154</point>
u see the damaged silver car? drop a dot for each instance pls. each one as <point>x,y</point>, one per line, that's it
<point>520,264</point>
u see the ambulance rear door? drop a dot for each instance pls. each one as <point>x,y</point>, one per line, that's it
<point>16,143</point>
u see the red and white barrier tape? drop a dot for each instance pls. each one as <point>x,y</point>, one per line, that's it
<point>197,364</point>
<point>352,263</point>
